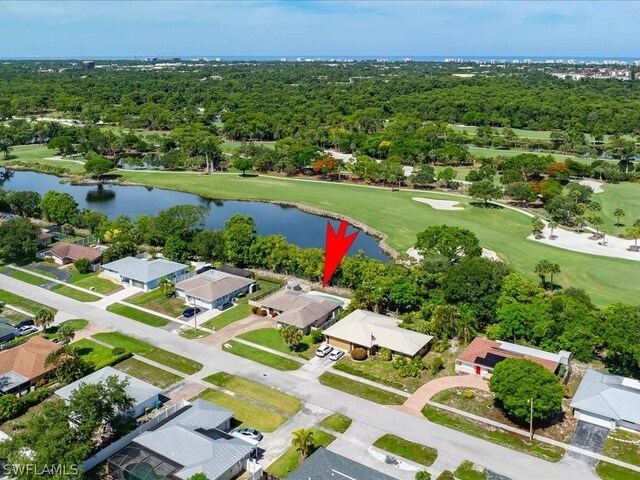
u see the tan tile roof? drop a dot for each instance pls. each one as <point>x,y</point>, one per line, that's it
<point>488,353</point>
<point>28,359</point>
<point>75,252</point>
<point>212,285</point>
<point>299,308</point>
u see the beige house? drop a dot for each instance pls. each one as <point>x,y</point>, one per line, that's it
<point>373,331</point>
<point>213,288</point>
<point>64,253</point>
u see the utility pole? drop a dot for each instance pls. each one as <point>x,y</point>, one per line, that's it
<point>531,420</point>
<point>195,315</point>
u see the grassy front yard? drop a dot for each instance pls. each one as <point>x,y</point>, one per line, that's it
<point>239,312</point>
<point>291,459</point>
<point>23,303</point>
<point>149,373</point>
<point>248,414</point>
<point>157,300</point>
<point>89,280</point>
<point>137,315</point>
<point>26,277</point>
<point>267,337</point>
<point>336,422</point>
<point>172,360</point>
<point>361,390</point>
<point>76,325</point>
<point>491,434</point>
<point>608,471</point>
<point>256,391</point>
<point>70,292</point>
<point>377,370</point>
<point>468,471</point>
<point>192,333</point>
<point>266,358</point>
<point>624,446</point>
<point>99,355</point>
<point>404,448</point>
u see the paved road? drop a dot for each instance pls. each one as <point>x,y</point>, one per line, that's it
<point>448,442</point>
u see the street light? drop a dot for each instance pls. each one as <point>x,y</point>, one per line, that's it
<point>531,420</point>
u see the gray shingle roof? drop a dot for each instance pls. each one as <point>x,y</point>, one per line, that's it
<point>142,270</point>
<point>299,309</point>
<point>202,414</point>
<point>212,285</point>
<point>326,465</point>
<point>138,389</point>
<point>610,396</point>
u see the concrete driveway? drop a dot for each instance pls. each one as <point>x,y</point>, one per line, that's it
<point>590,437</point>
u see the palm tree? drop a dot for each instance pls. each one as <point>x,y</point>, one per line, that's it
<point>542,270</point>
<point>303,441</point>
<point>66,334</point>
<point>166,286</point>
<point>553,269</point>
<point>44,318</point>
<point>597,222</point>
<point>618,213</point>
<point>5,147</point>
<point>291,334</point>
<point>634,232</point>
<point>552,226</point>
<point>466,325</point>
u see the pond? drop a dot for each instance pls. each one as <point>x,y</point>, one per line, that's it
<point>300,228</point>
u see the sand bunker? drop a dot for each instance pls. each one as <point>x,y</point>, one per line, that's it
<point>596,186</point>
<point>439,204</point>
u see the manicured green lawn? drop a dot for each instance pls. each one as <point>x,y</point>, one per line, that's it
<point>172,360</point>
<point>410,450</point>
<point>291,459</point>
<point>377,370</point>
<point>233,314</point>
<point>247,413</point>
<point>624,195</point>
<point>394,213</point>
<point>608,471</point>
<point>149,373</point>
<point>501,437</point>
<point>466,471</point>
<point>336,422</point>
<point>267,337</point>
<point>228,146</point>
<point>40,154</point>
<point>27,277</point>
<point>481,152</point>
<point>623,446</point>
<point>23,303</point>
<point>157,300</point>
<point>88,280</point>
<point>137,315</point>
<point>95,353</point>
<point>359,389</point>
<point>76,324</point>
<point>250,389</point>
<point>75,294</point>
<point>266,358</point>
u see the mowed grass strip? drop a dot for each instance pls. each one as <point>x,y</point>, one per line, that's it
<point>360,389</point>
<point>267,337</point>
<point>336,422</point>
<point>26,277</point>
<point>266,358</point>
<point>23,303</point>
<point>137,315</point>
<point>229,316</point>
<point>99,355</point>
<point>172,360</point>
<point>247,413</point>
<point>74,293</point>
<point>609,471</point>
<point>291,459</point>
<point>250,389</point>
<point>501,437</point>
<point>149,373</point>
<point>410,450</point>
<point>467,471</point>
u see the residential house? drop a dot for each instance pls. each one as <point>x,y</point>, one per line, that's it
<point>324,464</point>
<point>45,238</point>
<point>64,253</point>
<point>23,366</point>
<point>213,288</point>
<point>373,331</point>
<point>7,331</point>
<point>303,310</point>
<point>144,274</point>
<point>194,440</point>
<point>144,394</point>
<point>608,400</point>
<point>481,356</point>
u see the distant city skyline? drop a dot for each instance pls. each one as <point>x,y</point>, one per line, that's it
<point>117,29</point>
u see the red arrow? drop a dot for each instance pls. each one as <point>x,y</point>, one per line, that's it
<point>336,246</point>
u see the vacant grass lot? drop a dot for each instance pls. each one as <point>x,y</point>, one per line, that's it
<point>157,300</point>
<point>95,353</point>
<point>395,214</point>
<point>267,337</point>
<point>291,459</point>
<point>266,358</point>
<point>250,389</point>
<point>149,373</point>
<point>623,446</point>
<point>137,315</point>
<point>359,389</point>
<point>608,471</point>
<point>336,422</point>
<point>23,303</point>
<point>501,437</point>
<point>404,448</point>
<point>177,362</point>
<point>248,414</point>
<point>377,370</point>
<point>233,314</point>
<point>70,292</point>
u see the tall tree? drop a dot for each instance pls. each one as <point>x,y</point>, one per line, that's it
<point>303,441</point>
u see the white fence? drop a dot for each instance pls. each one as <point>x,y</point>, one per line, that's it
<point>119,444</point>
<point>184,276</point>
<point>254,469</point>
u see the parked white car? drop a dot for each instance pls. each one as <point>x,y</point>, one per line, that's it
<point>336,355</point>
<point>323,350</point>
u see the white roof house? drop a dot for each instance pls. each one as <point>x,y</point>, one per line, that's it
<point>608,400</point>
<point>371,330</point>
<point>141,273</point>
<point>144,394</point>
<point>213,288</point>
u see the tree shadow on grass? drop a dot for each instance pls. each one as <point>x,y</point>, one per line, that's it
<point>492,206</point>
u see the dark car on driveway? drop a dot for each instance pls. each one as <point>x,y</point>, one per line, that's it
<point>27,322</point>
<point>190,312</point>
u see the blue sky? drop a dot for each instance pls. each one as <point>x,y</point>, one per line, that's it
<point>343,28</point>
